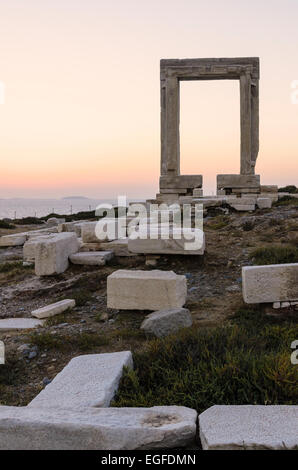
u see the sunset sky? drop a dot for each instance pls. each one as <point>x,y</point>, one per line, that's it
<point>81,114</point>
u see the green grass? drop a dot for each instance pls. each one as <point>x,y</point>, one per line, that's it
<point>13,266</point>
<point>66,317</point>
<point>275,255</point>
<point>218,223</point>
<point>246,362</point>
<point>78,341</point>
<point>9,377</point>
<point>81,296</point>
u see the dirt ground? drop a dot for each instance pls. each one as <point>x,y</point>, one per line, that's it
<point>214,294</point>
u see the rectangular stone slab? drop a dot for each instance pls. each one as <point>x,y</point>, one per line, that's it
<point>94,258</point>
<point>54,309</point>
<point>181,181</point>
<point>145,290</point>
<point>8,324</point>
<point>119,247</point>
<point>15,239</point>
<point>27,428</point>
<point>91,232</point>
<point>249,427</point>
<point>182,246</point>
<point>89,380</point>
<point>238,181</point>
<point>270,283</point>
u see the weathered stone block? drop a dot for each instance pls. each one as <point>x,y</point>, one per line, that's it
<point>167,198</point>
<point>238,181</point>
<point>85,247</point>
<point>243,207</point>
<point>51,254</point>
<point>91,230</point>
<point>246,427</point>
<point>244,201</point>
<point>145,290</point>
<point>16,239</point>
<point>119,247</point>
<point>272,196</point>
<point>269,188</point>
<point>160,427</point>
<point>88,232</point>
<point>19,324</point>
<point>54,309</point>
<point>181,181</point>
<point>264,202</point>
<point>71,227</point>
<point>197,192</point>
<point>271,283</point>
<point>190,242</point>
<point>94,258</point>
<point>30,247</point>
<point>87,381</point>
<point>172,191</point>
<point>55,221</point>
<point>165,322</point>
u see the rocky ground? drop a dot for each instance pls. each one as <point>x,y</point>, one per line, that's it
<point>214,294</point>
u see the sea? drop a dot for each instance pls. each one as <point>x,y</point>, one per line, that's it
<point>17,208</point>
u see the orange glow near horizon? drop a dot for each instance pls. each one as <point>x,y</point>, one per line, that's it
<point>81,112</point>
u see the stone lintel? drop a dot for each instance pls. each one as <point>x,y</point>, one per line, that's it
<point>181,182</point>
<point>211,67</point>
<point>238,181</point>
<point>173,191</point>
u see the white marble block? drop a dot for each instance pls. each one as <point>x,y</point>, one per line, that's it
<point>30,247</point>
<point>270,283</point>
<point>190,242</point>
<point>160,427</point>
<point>8,324</point>
<point>54,309</point>
<point>87,381</point>
<point>264,202</point>
<point>146,290</point>
<point>51,255</point>
<point>93,258</point>
<point>249,427</point>
<point>15,239</point>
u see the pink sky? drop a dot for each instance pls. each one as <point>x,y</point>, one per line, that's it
<point>81,112</point>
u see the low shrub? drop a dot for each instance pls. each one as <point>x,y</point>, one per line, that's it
<point>246,362</point>
<point>286,201</point>
<point>6,225</point>
<point>275,255</point>
<point>288,189</point>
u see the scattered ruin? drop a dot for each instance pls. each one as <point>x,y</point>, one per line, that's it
<point>73,411</point>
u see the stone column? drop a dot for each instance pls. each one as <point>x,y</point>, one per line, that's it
<point>245,124</point>
<point>254,121</point>
<point>171,152</point>
<point>163,126</point>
